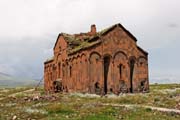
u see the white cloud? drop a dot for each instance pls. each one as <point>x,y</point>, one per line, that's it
<point>28,28</point>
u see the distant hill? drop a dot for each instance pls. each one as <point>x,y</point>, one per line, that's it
<point>7,80</point>
<point>164,80</point>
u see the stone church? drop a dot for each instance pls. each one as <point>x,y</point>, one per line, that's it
<point>108,61</point>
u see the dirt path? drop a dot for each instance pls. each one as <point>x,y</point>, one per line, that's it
<point>144,106</point>
<point>14,94</point>
<point>25,91</point>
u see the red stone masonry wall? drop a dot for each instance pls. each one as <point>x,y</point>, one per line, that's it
<point>115,65</point>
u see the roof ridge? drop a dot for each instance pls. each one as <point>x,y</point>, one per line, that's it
<point>75,40</point>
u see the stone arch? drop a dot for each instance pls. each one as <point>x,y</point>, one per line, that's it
<point>142,74</point>
<point>95,69</point>
<point>142,61</point>
<point>78,56</point>
<point>84,61</point>
<point>120,52</point>
<point>133,58</point>
<point>78,72</point>
<point>73,73</point>
<point>58,58</point>
<point>107,55</point>
<point>70,59</point>
<point>66,64</point>
<point>142,57</point>
<point>82,54</point>
<point>67,61</point>
<point>120,73</point>
<point>84,71</point>
<point>94,54</point>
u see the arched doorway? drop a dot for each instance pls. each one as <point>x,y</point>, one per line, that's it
<point>132,62</point>
<point>106,70</point>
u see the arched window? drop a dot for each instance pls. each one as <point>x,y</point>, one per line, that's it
<point>120,66</point>
<point>70,71</point>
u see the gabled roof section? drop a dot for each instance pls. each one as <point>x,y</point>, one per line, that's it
<point>49,60</point>
<point>105,31</point>
<point>57,40</point>
<point>143,51</point>
<point>77,42</point>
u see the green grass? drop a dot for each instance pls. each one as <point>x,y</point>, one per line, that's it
<point>78,107</point>
<point>164,86</point>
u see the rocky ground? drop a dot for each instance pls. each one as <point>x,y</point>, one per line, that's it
<point>26,103</point>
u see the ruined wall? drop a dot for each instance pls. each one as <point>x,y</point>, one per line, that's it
<point>116,65</point>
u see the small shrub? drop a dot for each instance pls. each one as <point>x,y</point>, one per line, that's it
<point>148,109</point>
<point>156,99</point>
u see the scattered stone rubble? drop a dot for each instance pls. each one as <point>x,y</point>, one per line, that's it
<point>49,97</point>
<point>178,106</point>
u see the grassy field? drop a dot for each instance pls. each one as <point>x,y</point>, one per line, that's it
<point>28,104</point>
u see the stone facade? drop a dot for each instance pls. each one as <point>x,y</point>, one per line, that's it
<point>109,61</point>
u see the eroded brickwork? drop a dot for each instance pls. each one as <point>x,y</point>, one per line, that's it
<point>97,62</point>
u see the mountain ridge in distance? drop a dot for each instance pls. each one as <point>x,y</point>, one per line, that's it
<point>7,80</point>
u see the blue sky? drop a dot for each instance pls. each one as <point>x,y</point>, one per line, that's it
<point>29,28</point>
